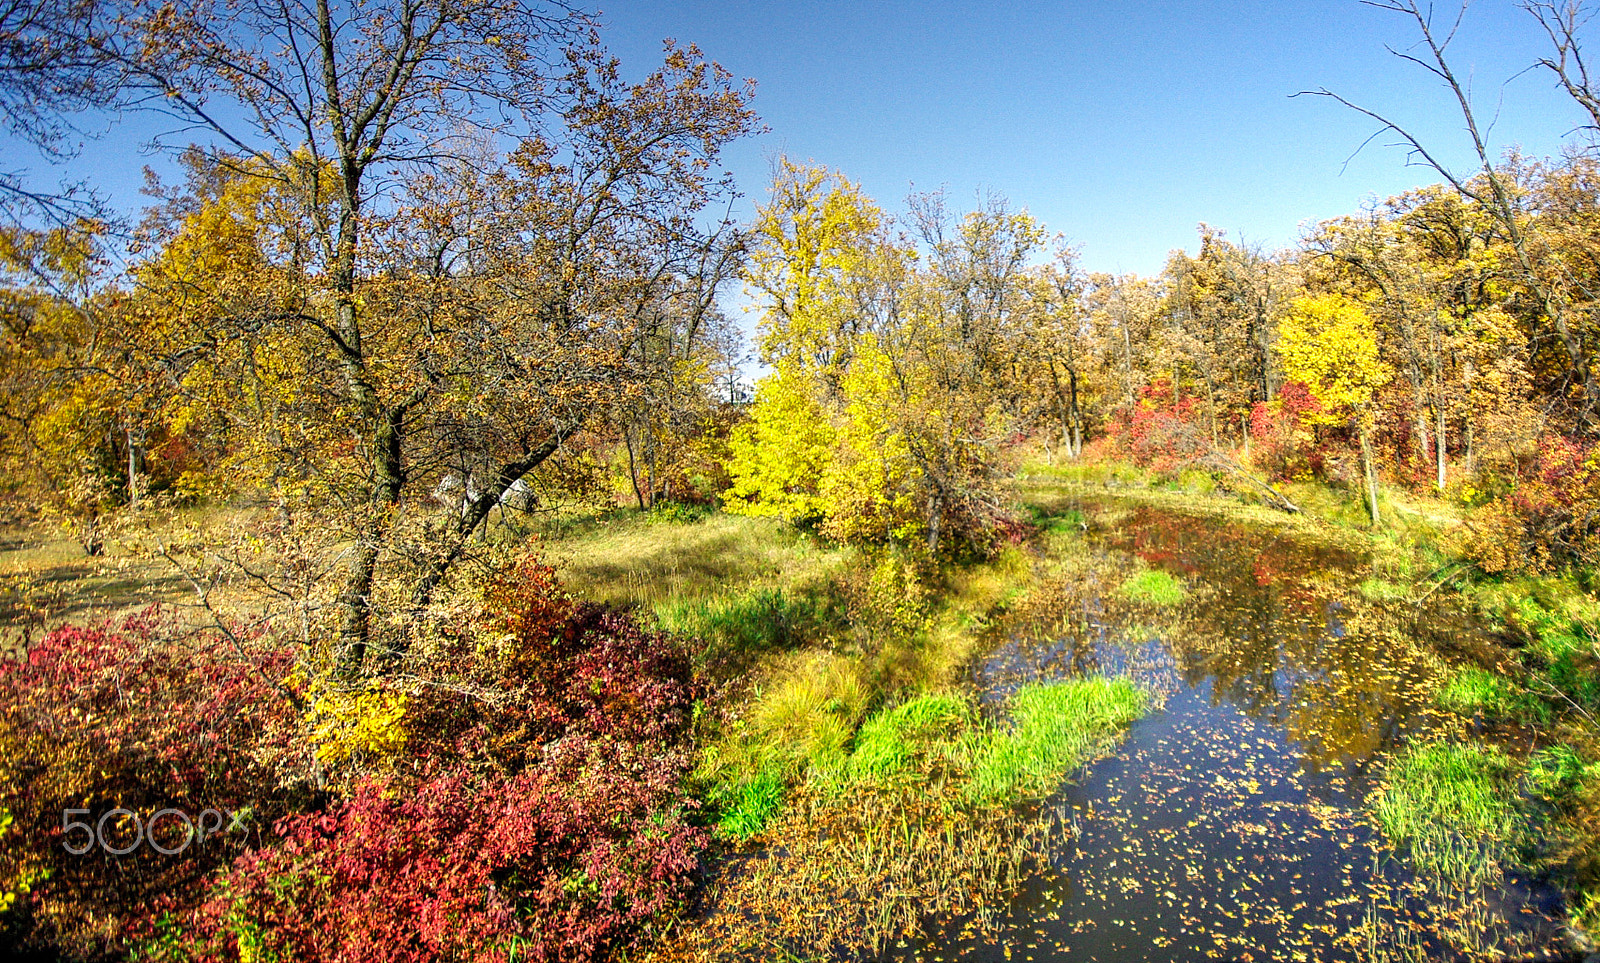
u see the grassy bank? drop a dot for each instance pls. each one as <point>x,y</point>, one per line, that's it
<point>917,815</point>
<point>805,639</point>
<point>853,785</point>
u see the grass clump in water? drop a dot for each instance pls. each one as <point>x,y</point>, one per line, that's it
<point>1560,775</point>
<point>1056,727</point>
<point>1155,587</point>
<point>916,819</point>
<point>1477,691</point>
<point>1454,807</point>
<point>891,740</point>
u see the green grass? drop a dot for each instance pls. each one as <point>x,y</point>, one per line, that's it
<point>753,619</point>
<point>1381,590</point>
<point>747,807</point>
<point>1560,620</point>
<point>1055,727</point>
<point>1454,808</point>
<point>1154,587</point>
<point>1070,521</point>
<point>1559,774</point>
<point>891,740</point>
<point>1476,691</point>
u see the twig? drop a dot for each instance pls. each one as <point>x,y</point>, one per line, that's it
<point>227,631</point>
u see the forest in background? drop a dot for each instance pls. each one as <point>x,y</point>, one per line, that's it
<point>444,271</point>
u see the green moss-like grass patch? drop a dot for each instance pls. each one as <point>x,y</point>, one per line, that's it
<point>1154,587</point>
<point>1453,808</point>
<point>1056,727</point>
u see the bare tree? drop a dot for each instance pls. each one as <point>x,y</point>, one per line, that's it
<point>46,79</point>
<point>1561,22</point>
<point>1489,186</point>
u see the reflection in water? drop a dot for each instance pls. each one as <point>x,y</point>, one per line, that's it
<point>1277,630</point>
<point>1229,824</point>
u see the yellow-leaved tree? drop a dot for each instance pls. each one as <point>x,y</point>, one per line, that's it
<point>778,457</point>
<point>884,418</point>
<point>819,446</point>
<point>1328,343</point>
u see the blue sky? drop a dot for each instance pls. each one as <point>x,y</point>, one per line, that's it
<point>1121,125</point>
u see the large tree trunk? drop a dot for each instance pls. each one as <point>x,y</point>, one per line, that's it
<point>1063,409</point>
<point>355,601</point>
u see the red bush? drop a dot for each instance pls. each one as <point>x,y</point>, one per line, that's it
<point>1159,432</point>
<point>540,811</point>
<point>1549,519</point>
<point>1282,442</point>
<point>548,865</point>
<point>137,717</point>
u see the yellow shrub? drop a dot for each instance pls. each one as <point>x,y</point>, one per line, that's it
<point>11,889</point>
<point>368,721</point>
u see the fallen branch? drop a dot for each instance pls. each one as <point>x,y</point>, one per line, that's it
<point>1217,462</point>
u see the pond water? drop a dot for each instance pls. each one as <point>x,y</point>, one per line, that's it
<point>1229,823</point>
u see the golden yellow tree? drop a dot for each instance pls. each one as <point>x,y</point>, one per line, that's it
<point>1328,342</point>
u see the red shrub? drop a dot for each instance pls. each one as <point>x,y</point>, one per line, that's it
<point>139,718</point>
<point>1282,442</point>
<point>1161,433</point>
<point>541,809</point>
<point>1549,519</point>
<point>548,864</point>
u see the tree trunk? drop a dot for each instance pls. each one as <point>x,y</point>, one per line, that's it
<point>388,479</point>
<point>1438,446</point>
<point>1369,473</point>
<point>633,468</point>
<point>476,511</point>
<point>1077,414</point>
<point>90,537</point>
<point>935,510</point>
<point>1424,450</point>
<point>135,451</point>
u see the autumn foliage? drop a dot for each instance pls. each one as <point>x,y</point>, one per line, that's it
<point>1549,519</point>
<point>535,811</point>
<point>1160,432</point>
<point>131,716</point>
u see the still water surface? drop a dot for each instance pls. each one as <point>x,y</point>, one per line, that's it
<point>1229,824</point>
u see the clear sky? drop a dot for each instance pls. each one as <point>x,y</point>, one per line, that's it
<point>1121,125</point>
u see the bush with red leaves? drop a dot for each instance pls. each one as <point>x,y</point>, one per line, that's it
<point>133,717</point>
<point>550,864</point>
<point>1159,432</point>
<point>1283,443</point>
<point>1550,519</point>
<point>540,814</point>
